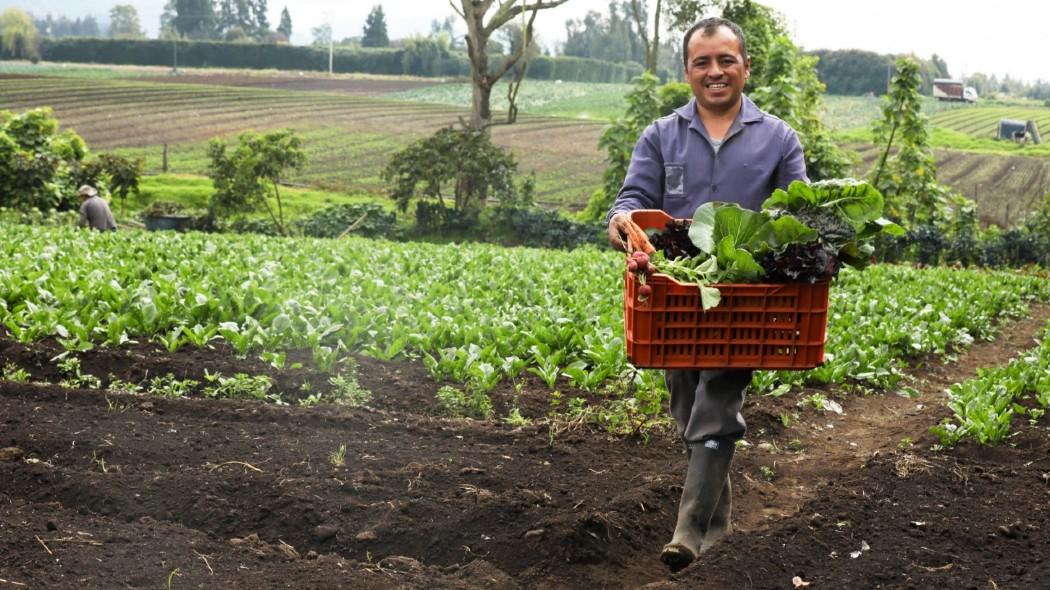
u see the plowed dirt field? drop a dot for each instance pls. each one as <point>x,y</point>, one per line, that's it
<point>110,490</point>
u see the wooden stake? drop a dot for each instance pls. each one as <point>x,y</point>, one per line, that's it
<point>41,541</point>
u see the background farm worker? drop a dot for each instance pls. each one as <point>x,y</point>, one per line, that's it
<point>94,211</point>
<point>718,147</point>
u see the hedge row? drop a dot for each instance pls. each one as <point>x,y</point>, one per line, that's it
<point>417,58</point>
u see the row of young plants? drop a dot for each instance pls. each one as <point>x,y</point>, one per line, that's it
<point>343,387</point>
<point>984,408</point>
<point>475,314</point>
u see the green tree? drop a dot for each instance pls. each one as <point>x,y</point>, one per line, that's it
<point>793,92</point>
<point>227,15</point>
<point>18,35</point>
<point>123,174</point>
<point>464,159</point>
<point>447,28</point>
<point>262,21</point>
<point>853,72</point>
<point>247,177</point>
<point>285,28</point>
<point>907,179</point>
<point>322,35</point>
<point>124,23</point>
<point>940,67</point>
<point>239,19</point>
<point>195,19</point>
<point>167,22</point>
<point>650,42</point>
<point>38,164</point>
<point>374,34</point>
<point>613,37</point>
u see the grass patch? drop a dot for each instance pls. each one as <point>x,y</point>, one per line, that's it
<point>64,70</point>
<point>575,100</point>
<point>194,192</point>
<point>845,113</point>
<point>941,138</point>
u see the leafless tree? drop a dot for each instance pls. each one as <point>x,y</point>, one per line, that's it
<point>479,31</point>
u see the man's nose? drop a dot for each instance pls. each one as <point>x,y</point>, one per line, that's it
<point>714,71</point>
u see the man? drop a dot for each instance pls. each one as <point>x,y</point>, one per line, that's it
<point>719,147</point>
<point>94,211</point>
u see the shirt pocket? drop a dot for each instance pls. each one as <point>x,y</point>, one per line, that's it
<point>674,180</point>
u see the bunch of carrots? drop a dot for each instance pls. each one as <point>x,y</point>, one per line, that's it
<point>638,250</point>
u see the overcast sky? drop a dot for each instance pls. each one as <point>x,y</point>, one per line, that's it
<point>967,35</point>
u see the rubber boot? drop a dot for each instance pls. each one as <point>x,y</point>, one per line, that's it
<point>721,520</point>
<point>705,481</point>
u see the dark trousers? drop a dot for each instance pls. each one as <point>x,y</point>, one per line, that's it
<point>707,404</point>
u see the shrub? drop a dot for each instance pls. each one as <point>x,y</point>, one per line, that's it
<point>436,217</point>
<point>372,219</point>
<point>462,164</point>
<point>518,226</point>
<point>38,164</point>
<point>247,176</point>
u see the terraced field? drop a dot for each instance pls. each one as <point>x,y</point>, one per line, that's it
<point>842,113</point>
<point>982,122</point>
<point>350,131</point>
<point>1005,187</point>
<point>348,139</point>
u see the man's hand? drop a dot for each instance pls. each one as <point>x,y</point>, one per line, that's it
<point>626,236</point>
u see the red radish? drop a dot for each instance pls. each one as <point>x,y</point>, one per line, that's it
<point>642,259</point>
<point>645,292</point>
<point>632,265</point>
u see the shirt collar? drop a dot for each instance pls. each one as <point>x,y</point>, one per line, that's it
<point>749,113</point>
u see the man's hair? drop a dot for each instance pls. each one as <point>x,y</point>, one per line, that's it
<point>708,27</point>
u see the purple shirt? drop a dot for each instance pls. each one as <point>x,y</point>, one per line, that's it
<point>675,168</point>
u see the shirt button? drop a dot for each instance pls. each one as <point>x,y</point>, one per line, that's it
<point>714,187</point>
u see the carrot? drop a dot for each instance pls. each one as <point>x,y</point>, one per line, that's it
<point>637,240</point>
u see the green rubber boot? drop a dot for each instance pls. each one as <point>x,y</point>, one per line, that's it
<point>721,520</point>
<point>705,482</point>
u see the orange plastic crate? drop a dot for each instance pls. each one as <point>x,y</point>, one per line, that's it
<point>756,326</point>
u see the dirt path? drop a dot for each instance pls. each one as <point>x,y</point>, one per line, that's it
<point>819,451</point>
<point>119,491</point>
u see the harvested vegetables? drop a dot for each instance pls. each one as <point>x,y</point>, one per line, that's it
<point>805,233</point>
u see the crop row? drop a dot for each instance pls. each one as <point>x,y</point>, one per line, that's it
<point>140,116</point>
<point>983,121</point>
<point>984,407</point>
<point>476,314</point>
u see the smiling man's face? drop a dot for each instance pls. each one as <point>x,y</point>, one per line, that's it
<point>716,70</point>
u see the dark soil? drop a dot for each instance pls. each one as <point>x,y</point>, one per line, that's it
<point>106,490</point>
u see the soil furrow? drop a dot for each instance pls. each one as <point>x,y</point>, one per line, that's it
<point>421,501</point>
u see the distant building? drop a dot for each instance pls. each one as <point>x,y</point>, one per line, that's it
<point>948,89</point>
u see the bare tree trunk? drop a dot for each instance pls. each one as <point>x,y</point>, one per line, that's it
<point>481,113</point>
<point>651,44</point>
<point>478,34</point>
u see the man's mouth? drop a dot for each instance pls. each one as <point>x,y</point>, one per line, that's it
<point>718,85</point>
